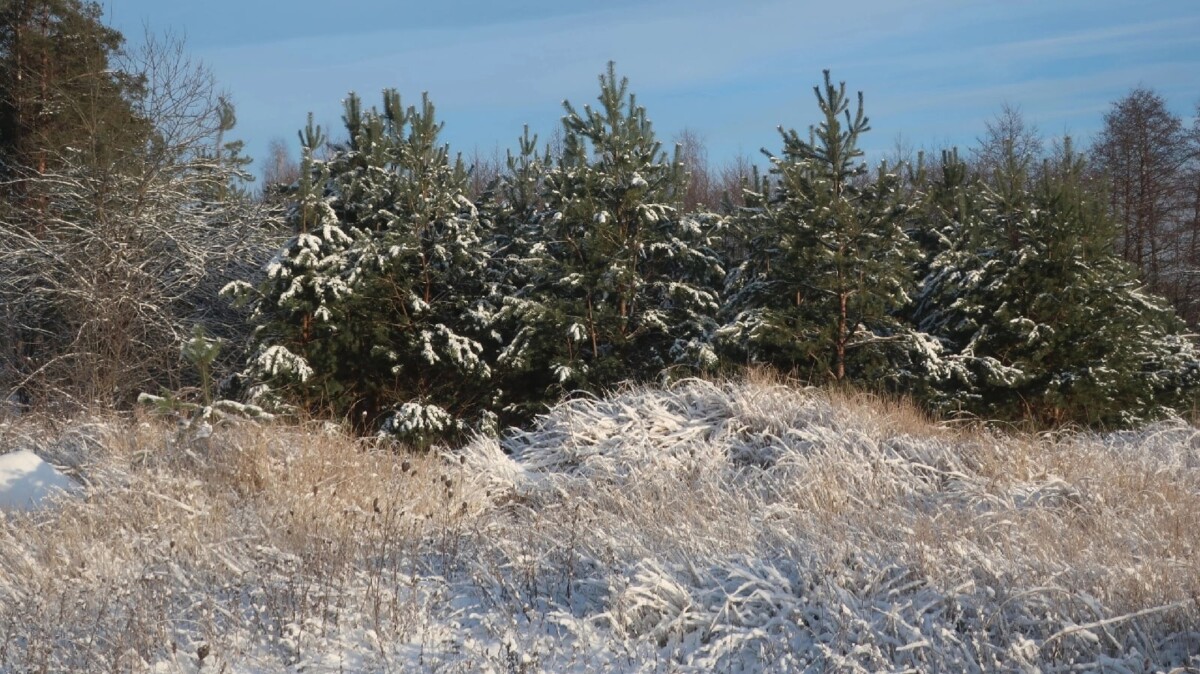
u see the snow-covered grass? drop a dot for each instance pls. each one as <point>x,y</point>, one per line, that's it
<point>742,526</point>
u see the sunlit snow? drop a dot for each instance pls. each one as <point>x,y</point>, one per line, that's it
<point>29,483</point>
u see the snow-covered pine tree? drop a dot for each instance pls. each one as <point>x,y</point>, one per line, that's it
<point>373,309</point>
<point>510,210</point>
<point>620,284</point>
<point>829,262</point>
<point>944,196</point>
<point>1040,319</point>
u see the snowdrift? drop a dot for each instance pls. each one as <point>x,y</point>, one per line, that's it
<point>29,483</point>
<point>740,526</point>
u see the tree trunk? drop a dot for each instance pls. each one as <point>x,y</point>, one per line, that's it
<point>840,364</point>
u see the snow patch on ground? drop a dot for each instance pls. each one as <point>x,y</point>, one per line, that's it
<point>29,483</point>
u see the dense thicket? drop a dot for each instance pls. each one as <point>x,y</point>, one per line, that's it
<point>121,214</point>
<point>990,289</point>
<point>426,300</point>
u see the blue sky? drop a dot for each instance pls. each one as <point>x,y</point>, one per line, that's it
<point>932,71</point>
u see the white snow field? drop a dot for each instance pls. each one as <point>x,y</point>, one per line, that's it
<point>706,527</point>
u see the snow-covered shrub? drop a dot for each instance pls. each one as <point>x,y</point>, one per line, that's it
<point>418,424</point>
<point>103,277</point>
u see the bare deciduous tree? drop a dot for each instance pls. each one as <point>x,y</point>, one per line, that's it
<point>1149,159</point>
<point>735,176</point>
<point>104,282</point>
<point>1010,147</point>
<point>280,169</point>
<point>485,169</point>
<point>694,155</point>
<point>711,188</point>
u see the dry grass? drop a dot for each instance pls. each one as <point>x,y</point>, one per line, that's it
<point>710,526</point>
<point>181,540</point>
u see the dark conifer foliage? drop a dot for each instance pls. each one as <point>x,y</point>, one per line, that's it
<point>61,99</point>
<point>829,263</point>
<point>1039,318</point>
<point>993,292</point>
<point>374,310</point>
<point>621,284</point>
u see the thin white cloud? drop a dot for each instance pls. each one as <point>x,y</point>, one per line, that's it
<point>1108,38</point>
<point>732,70</point>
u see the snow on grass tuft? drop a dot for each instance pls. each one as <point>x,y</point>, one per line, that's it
<point>707,527</point>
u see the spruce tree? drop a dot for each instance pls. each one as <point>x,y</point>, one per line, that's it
<point>829,262</point>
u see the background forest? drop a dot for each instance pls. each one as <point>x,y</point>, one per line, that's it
<point>388,281</point>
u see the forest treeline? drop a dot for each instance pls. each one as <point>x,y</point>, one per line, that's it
<point>385,280</point>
